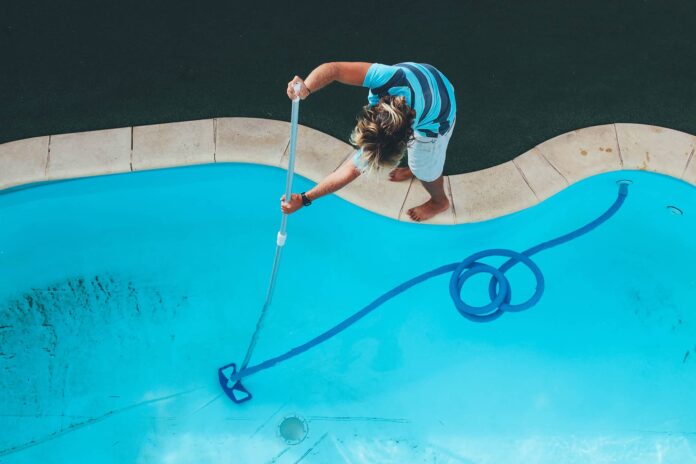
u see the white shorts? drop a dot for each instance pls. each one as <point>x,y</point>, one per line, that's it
<point>426,155</point>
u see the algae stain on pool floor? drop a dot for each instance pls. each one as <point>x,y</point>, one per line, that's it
<point>70,337</point>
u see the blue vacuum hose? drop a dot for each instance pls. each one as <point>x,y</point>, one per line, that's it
<point>499,291</point>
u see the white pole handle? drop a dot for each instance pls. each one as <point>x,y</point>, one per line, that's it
<point>297,87</point>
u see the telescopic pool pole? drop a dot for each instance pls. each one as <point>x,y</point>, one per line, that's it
<point>280,243</point>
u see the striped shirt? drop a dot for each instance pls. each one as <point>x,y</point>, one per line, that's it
<point>425,88</point>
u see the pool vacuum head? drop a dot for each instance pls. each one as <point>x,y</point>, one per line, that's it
<point>236,392</point>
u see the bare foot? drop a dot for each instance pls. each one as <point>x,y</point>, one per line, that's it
<point>428,209</point>
<point>400,174</point>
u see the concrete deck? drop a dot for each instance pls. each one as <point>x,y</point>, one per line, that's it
<point>476,196</point>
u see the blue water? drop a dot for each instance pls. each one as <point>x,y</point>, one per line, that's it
<point>120,296</point>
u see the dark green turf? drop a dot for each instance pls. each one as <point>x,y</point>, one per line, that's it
<point>524,71</point>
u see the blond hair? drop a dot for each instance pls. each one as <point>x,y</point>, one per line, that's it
<point>383,132</point>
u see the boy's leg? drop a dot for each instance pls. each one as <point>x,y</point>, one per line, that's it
<point>400,174</point>
<point>438,201</point>
<point>427,161</point>
<point>402,171</point>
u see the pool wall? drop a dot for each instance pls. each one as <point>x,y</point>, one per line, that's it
<point>476,196</point>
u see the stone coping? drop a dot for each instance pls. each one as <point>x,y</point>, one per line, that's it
<point>477,196</point>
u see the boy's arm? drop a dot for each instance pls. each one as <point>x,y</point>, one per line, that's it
<point>345,72</point>
<point>338,179</point>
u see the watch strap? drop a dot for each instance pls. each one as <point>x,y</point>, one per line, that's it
<point>305,201</point>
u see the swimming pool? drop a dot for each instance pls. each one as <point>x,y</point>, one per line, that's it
<point>122,295</point>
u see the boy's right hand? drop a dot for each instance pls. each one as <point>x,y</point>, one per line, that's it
<point>289,207</point>
<point>304,91</point>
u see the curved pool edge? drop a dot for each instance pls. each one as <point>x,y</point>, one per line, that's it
<point>530,178</point>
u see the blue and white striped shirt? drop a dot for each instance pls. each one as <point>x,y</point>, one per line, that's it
<point>425,88</point>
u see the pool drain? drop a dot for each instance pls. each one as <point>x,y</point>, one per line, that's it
<point>293,429</point>
<point>674,210</point>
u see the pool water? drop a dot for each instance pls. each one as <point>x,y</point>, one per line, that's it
<point>120,296</point>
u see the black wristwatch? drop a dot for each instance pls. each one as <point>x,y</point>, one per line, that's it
<point>305,201</point>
